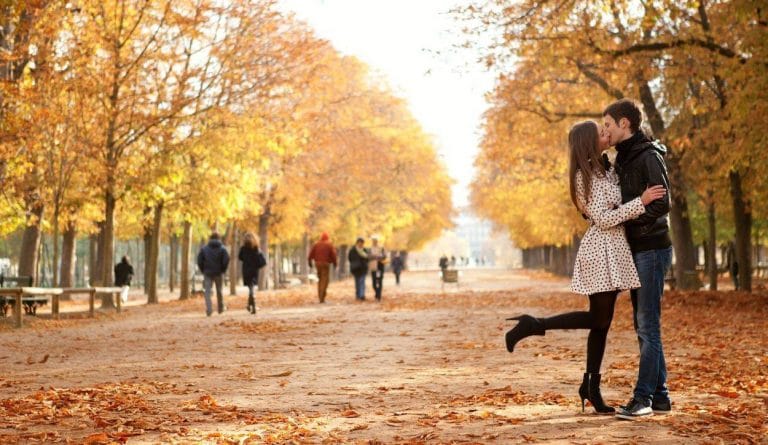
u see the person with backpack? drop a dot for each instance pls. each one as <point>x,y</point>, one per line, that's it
<point>213,260</point>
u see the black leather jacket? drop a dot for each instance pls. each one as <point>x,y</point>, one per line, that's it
<point>640,164</point>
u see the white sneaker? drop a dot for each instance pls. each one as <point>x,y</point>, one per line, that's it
<point>634,409</point>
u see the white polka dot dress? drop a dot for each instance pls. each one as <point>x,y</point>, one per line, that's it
<point>604,260</point>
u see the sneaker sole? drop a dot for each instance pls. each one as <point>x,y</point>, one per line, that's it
<point>632,417</point>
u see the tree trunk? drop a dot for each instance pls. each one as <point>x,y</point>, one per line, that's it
<point>154,255</point>
<point>303,261</point>
<point>712,244</point>
<point>742,217</point>
<point>93,259</point>
<point>55,245</point>
<point>264,243</point>
<point>186,251</point>
<point>30,244</point>
<point>147,238</point>
<point>680,221</point>
<point>107,248</point>
<point>276,266</point>
<point>174,260</point>
<point>68,256</point>
<point>233,261</point>
<point>341,271</point>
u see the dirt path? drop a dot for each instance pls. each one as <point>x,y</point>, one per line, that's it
<point>421,367</point>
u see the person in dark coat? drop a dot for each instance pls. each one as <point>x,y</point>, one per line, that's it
<point>123,275</point>
<point>253,260</point>
<point>213,261</point>
<point>397,267</point>
<point>443,265</point>
<point>358,266</point>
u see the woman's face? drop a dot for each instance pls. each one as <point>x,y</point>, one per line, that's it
<point>603,139</point>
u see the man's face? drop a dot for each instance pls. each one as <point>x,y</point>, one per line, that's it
<point>616,131</point>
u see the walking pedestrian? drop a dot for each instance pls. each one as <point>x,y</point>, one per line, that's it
<point>377,258</point>
<point>213,260</point>
<point>397,266</point>
<point>443,263</point>
<point>123,276</point>
<point>358,266</point>
<point>323,254</point>
<point>253,261</point>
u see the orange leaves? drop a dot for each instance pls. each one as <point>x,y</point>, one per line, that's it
<point>97,439</point>
<point>257,327</point>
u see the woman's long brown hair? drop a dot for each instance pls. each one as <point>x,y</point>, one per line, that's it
<point>251,241</point>
<point>585,157</point>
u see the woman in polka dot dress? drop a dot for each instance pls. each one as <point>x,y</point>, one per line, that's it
<point>604,264</point>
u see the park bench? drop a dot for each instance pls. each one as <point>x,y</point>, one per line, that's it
<point>30,302</point>
<point>33,297</point>
<point>449,276</point>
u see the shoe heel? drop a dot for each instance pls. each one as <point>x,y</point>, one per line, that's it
<point>583,402</point>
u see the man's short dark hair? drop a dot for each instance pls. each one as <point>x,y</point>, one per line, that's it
<point>625,108</point>
<point>215,235</point>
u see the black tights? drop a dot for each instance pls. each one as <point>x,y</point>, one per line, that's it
<point>597,320</point>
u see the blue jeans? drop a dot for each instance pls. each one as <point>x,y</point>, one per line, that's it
<point>360,287</point>
<point>651,266</point>
<point>207,285</point>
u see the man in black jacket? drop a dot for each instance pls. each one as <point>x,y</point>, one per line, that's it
<point>640,164</point>
<point>123,275</point>
<point>213,261</point>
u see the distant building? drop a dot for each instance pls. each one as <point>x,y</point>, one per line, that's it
<point>488,247</point>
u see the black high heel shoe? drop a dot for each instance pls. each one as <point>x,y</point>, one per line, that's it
<point>590,390</point>
<point>525,328</point>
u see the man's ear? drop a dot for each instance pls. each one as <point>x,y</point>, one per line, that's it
<point>623,123</point>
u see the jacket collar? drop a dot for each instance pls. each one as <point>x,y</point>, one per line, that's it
<point>630,148</point>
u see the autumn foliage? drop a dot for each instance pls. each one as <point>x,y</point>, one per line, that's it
<point>142,118</point>
<point>698,70</point>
